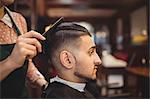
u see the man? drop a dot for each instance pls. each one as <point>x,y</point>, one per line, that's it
<point>72,52</point>
<point>17,48</point>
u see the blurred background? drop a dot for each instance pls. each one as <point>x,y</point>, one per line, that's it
<point>120,29</point>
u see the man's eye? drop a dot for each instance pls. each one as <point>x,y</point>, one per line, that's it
<point>91,52</point>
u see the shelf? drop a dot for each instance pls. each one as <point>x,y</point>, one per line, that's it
<point>141,71</point>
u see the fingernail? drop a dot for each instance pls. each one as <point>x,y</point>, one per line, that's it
<point>40,50</point>
<point>44,38</point>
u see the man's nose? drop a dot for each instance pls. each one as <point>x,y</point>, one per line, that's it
<point>97,60</point>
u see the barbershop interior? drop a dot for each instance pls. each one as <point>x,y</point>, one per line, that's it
<point>120,29</point>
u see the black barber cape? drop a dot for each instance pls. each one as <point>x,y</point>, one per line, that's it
<point>58,90</point>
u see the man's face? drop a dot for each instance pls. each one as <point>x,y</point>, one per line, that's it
<point>87,59</point>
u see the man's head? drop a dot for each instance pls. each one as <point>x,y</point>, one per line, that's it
<point>72,52</point>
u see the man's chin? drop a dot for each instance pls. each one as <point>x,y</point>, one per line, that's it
<point>91,78</point>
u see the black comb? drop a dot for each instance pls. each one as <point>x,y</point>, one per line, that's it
<point>54,26</point>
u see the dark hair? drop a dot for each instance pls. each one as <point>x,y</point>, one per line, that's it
<point>64,36</point>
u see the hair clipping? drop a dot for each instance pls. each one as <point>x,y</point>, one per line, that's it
<point>54,26</point>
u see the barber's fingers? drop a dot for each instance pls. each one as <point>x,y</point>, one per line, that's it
<point>31,48</point>
<point>30,54</point>
<point>20,52</point>
<point>27,50</point>
<point>33,34</point>
<point>31,41</point>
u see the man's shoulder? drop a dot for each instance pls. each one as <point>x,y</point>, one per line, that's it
<point>56,90</point>
<point>58,87</point>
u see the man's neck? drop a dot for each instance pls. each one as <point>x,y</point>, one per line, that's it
<point>71,78</point>
<point>78,86</point>
<point>2,12</point>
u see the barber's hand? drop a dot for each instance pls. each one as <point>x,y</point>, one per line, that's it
<point>27,46</point>
<point>34,77</point>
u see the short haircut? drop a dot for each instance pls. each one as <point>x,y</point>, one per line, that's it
<point>66,35</point>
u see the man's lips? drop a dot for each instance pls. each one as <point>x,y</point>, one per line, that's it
<point>95,67</point>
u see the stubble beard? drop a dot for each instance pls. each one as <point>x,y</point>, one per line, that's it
<point>86,79</point>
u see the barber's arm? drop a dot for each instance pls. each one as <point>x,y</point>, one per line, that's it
<point>34,77</point>
<point>27,46</point>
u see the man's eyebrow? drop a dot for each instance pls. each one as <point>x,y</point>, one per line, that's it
<point>93,47</point>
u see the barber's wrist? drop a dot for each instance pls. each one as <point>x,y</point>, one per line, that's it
<point>41,82</point>
<point>13,65</point>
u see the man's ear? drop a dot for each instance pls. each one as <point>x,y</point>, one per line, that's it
<point>67,59</point>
